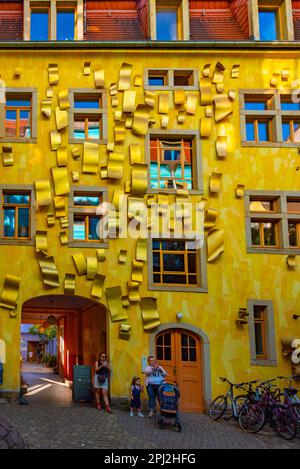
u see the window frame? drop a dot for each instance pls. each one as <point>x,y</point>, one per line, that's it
<point>279,26</point>
<point>40,7</point>
<point>101,111</point>
<point>197,157</point>
<point>160,7</point>
<point>82,211</point>
<point>169,74</point>
<point>270,358</point>
<point>20,92</point>
<point>19,189</point>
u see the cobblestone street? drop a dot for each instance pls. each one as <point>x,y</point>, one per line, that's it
<point>52,420</point>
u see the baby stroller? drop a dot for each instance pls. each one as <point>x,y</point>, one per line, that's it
<point>168,395</point>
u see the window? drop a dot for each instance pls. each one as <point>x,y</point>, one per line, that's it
<point>174,161</point>
<point>18,116</point>
<point>39,24</point>
<point>16,215</point>
<point>88,120</point>
<point>167,24</point>
<point>169,79</point>
<point>163,346</point>
<point>261,333</point>
<point>269,24</point>
<point>83,217</point>
<point>65,24</point>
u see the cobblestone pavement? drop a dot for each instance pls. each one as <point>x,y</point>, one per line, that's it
<point>52,420</point>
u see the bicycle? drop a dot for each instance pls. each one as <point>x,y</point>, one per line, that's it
<point>219,405</point>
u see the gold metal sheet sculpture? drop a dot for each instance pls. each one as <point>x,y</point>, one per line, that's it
<point>220,87</point>
<point>53,75</point>
<point>165,121</point>
<point>50,219</point>
<point>10,292</point>
<point>291,262</point>
<point>223,107</point>
<point>141,249</point>
<point>17,72</point>
<point>87,68</point>
<point>118,115</point>
<point>46,107</point>
<point>129,101</point>
<point>110,146</point>
<point>285,73</point>
<point>124,331</point>
<point>49,93</point>
<point>206,72</point>
<point>215,182</point>
<point>209,111</point>
<point>99,78</point>
<point>7,155</point>
<point>235,71</point>
<point>135,153</point>
<point>63,99</point>
<point>64,223</point>
<point>206,92</point>
<point>80,263</point>
<point>55,139</point>
<point>127,187</point>
<point>115,166</point>
<point>91,267</point>
<point>122,256</point>
<point>239,191</point>
<point>101,254</point>
<point>125,77</point>
<point>61,181</point>
<point>103,172</point>
<point>62,156</point>
<point>128,122</point>
<point>63,236</point>
<point>120,132</point>
<point>150,313</point>
<point>210,216</point>
<point>61,118</point>
<point>275,79</point>
<point>43,192</point>
<point>76,153</point>
<point>118,194</point>
<point>149,98</point>
<point>191,104</point>
<point>69,284</point>
<point>139,178</point>
<point>205,126</point>
<point>133,292</point>
<point>125,301</point>
<point>181,117</point>
<point>218,76</point>
<point>138,80</point>
<point>49,271</point>
<point>179,97</point>
<point>113,89</point>
<point>114,101</point>
<point>90,158</point>
<point>232,95</point>
<point>41,241</point>
<point>137,271</point>
<point>75,176</point>
<point>97,286</point>
<point>163,103</point>
<point>140,120</point>
<point>114,301</point>
<point>215,244</point>
<point>222,146</point>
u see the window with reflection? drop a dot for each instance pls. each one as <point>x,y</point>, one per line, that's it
<point>65,24</point>
<point>16,215</point>
<point>167,24</point>
<point>264,233</point>
<point>188,348</point>
<point>39,24</point>
<point>259,314</point>
<point>18,112</point>
<point>269,24</point>
<point>86,117</point>
<point>258,129</point>
<point>163,347</point>
<point>85,219</point>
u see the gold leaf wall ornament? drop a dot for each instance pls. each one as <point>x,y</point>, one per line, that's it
<point>232,95</point>
<point>10,292</point>
<point>285,73</point>
<point>133,292</point>
<point>122,256</point>
<point>46,107</point>
<point>140,120</point>
<point>135,153</point>
<point>141,249</point>
<point>97,286</point>
<point>129,101</point>
<point>80,263</point>
<point>115,101</point>
<point>91,267</point>
<point>210,216</point>
<point>215,182</point>
<point>222,146</point>
<point>215,244</point>
<point>75,176</point>
<point>220,87</point>
<point>124,331</point>
<point>114,300</point>
<point>218,76</point>
<point>118,115</point>
<point>191,104</point>
<point>17,72</point>
<point>49,271</point>
<point>61,181</point>
<point>90,158</point>
<point>43,192</point>
<point>115,166</point>
<point>239,191</point>
<point>125,301</point>
<point>103,172</point>
<point>101,254</point>
<point>206,92</point>
<point>61,118</point>
<point>64,223</point>
<point>49,93</point>
<point>128,122</point>
<point>53,75</point>
<point>63,236</point>
<point>179,97</point>
<point>164,121</point>
<point>99,78</point>
<point>181,117</point>
<point>138,80</point>
<point>113,89</point>
<point>50,219</point>
<point>209,111</point>
<point>205,127</point>
<point>291,262</point>
<point>149,98</point>
<point>151,121</point>
<point>87,69</point>
<point>223,107</point>
<point>69,284</point>
<point>62,156</point>
<point>117,198</point>
<point>7,155</point>
<point>139,179</point>
<point>55,139</point>
<point>150,313</point>
<point>76,153</point>
<point>125,77</point>
<point>206,72</point>
<point>137,271</point>
<point>63,99</point>
<point>235,71</point>
<point>120,132</point>
<point>163,103</point>
<point>275,79</point>
<point>127,187</point>
<point>110,146</point>
<point>41,241</point>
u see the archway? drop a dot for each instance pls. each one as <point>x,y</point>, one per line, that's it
<point>185,346</point>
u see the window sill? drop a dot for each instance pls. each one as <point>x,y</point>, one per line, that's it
<point>263,363</point>
<point>270,144</point>
<point>17,242</point>
<point>263,250</point>
<point>175,191</point>
<point>87,244</point>
<point>171,88</point>
<point>18,140</point>
<point>177,288</point>
<point>81,142</point>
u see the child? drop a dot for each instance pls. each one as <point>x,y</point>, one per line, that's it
<point>136,390</point>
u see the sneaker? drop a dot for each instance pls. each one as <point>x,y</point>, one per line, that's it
<point>131,414</point>
<point>140,414</point>
<point>150,415</point>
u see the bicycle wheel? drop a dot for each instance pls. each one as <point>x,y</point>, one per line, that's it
<point>239,402</point>
<point>217,407</point>
<point>251,418</point>
<point>282,421</point>
<point>296,415</point>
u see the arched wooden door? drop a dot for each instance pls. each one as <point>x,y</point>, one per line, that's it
<point>178,351</point>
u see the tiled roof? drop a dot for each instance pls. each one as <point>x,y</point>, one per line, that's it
<point>11,21</point>
<point>124,25</point>
<point>215,25</point>
<point>297,24</point>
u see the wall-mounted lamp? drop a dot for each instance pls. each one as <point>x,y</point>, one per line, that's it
<point>179,316</point>
<point>296,316</point>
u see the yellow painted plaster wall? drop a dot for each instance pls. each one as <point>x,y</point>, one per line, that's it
<point>233,278</point>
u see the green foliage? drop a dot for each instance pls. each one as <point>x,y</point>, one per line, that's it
<point>48,334</point>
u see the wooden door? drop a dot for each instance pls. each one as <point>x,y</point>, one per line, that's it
<point>179,353</point>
